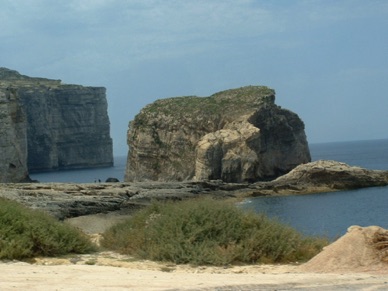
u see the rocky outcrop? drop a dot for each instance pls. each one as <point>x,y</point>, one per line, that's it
<point>322,176</point>
<point>361,249</point>
<point>67,125</point>
<point>236,135</point>
<point>13,141</point>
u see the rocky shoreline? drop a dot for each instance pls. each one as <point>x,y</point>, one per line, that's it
<point>65,200</point>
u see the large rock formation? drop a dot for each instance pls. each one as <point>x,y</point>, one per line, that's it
<point>235,135</point>
<point>68,125</point>
<point>13,141</point>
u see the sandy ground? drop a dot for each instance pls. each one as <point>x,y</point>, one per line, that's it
<point>112,271</point>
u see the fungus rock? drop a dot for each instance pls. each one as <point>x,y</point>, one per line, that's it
<point>238,135</point>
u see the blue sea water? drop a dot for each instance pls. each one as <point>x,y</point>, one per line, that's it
<point>328,214</point>
<point>85,175</point>
<point>370,154</point>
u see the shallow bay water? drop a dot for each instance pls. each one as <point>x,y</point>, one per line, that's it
<point>330,214</point>
<point>327,214</point>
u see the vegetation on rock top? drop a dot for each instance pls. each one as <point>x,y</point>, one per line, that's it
<point>14,78</point>
<point>230,102</point>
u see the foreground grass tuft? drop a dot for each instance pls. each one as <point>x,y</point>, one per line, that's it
<point>26,233</point>
<point>206,231</point>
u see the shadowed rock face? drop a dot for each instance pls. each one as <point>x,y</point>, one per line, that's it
<point>67,125</point>
<point>13,138</point>
<point>236,135</point>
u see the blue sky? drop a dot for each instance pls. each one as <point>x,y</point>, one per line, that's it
<point>326,59</point>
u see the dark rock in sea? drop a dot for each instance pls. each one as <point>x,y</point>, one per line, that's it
<point>238,135</point>
<point>112,180</point>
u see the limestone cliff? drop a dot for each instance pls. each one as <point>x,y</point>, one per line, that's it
<point>67,125</point>
<point>13,137</point>
<point>236,135</point>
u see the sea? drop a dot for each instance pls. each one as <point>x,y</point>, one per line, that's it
<point>331,214</point>
<point>85,175</point>
<point>322,214</point>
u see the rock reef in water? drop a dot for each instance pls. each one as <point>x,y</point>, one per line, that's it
<point>322,176</point>
<point>67,125</point>
<point>236,135</point>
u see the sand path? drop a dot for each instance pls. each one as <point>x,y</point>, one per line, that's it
<point>106,271</point>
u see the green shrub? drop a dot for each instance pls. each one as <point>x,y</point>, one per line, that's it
<point>25,233</point>
<point>206,231</point>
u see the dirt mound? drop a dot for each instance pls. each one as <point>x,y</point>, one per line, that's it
<point>361,249</point>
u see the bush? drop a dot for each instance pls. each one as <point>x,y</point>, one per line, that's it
<point>25,233</point>
<point>206,231</point>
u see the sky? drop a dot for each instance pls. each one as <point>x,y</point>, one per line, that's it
<point>326,59</point>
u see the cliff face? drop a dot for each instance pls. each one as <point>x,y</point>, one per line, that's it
<point>236,135</point>
<point>13,137</point>
<point>67,125</point>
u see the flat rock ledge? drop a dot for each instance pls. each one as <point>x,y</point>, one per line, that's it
<point>322,176</point>
<point>65,200</point>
